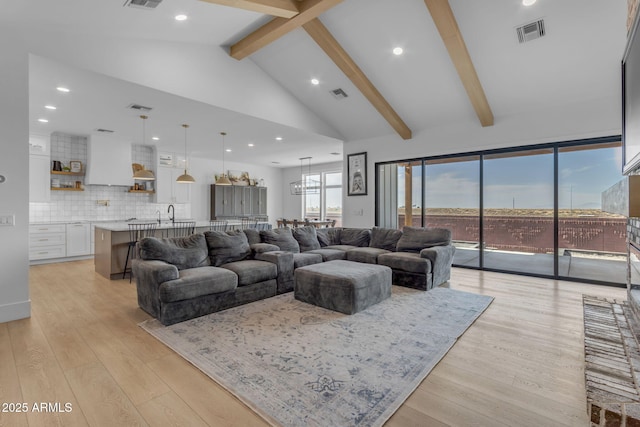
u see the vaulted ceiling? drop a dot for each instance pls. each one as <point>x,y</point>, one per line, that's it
<point>462,61</point>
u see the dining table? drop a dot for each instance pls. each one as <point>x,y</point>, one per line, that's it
<point>317,223</point>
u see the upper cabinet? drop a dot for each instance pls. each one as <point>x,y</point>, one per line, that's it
<point>170,167</point>
<point>109,161</point>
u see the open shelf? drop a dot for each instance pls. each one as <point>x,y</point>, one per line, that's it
<point>67,173</point>
<point>66,189</point>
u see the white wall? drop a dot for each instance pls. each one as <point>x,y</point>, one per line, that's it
<point>292,205</point>
<point>600,117</point>
<point>14,166</point>
<point>203,170</point>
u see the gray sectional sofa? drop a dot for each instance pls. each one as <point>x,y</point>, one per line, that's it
<point>182,278</point>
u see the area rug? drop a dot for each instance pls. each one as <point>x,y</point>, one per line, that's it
<point>296,364</point>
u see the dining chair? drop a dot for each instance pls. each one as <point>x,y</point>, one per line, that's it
<point>295,224</point>
<point>283,222</point>
<point>137,231</point>
<point>184,228</point>
<point>218,225</point>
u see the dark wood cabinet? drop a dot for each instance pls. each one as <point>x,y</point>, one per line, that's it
<point>238,201</point>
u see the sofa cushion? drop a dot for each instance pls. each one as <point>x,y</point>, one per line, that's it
<point>385,238</point>
<point>307,238</point>
<point>328,236</point>
<point>282,238</point>
<point>405,261</point>
<point>252,271</point>
<point>196,282</point>
<point>306,258</point>
<point>414,239</point>
<point>355,236</point>
<point>329,254</point>
<point>183,252</point>
<point>366,255</point>
<point>343,248</point>
<point>260,248</point>
<point>227,246</point>
<point>253,235</point>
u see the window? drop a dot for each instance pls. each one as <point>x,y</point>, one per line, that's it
<point>327,202</point>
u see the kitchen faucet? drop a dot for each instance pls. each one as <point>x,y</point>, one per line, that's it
<point>159,220</point>
<point>172,212</point>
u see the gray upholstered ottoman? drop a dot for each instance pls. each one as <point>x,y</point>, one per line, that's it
<point>344,286</point>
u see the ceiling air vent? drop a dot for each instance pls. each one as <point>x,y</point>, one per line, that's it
<point>531,31</point>
<point>139,107</point>
<point>339,93</point>
<point>142,4</point>
<point>104,130</point>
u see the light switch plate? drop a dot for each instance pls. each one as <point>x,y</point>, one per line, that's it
<point>7,219</point>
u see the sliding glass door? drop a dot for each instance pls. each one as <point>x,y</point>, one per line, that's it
<point>518,211</point>
<point>531,210</point>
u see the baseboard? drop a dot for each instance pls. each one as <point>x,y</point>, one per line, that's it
<point>15,311</point>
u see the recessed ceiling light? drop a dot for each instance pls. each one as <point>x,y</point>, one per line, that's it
<point>397,50</point>
<point>155,138</point>
<point>228,150</point>
<point>50,107</point>
<point>43,120</point>
<point>315,81</point>
<point>278,138</point>
<point>250,145</point>
<point>528,2</point>
<point>63,89</point>
<point>181,17</point>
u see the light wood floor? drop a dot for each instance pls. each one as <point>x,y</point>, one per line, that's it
<point>520,363</point>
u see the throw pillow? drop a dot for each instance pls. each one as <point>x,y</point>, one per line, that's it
<point>385,238</point>
<point>282,238</point>
<point>183,252</point>
<point>307,238</point>
<point>227,246</point>
<point>414,239</point>
<point>328,236</point>
<point>355,236</point>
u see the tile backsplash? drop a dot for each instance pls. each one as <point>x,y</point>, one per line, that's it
<point>84,206</point>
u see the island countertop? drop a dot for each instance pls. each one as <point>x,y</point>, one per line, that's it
<point>164,225</point>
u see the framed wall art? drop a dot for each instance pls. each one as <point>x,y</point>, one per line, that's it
<point>357,174</point>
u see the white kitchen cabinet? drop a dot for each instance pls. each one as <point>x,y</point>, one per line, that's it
<point>109,161</point>
<point>47,241</point>
<point>78,239</point>
<point>39,178</point>
<point>167,189</point>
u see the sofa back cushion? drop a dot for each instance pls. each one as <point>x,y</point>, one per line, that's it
<point>253,235</point>
<point>414,239</point>
<point>282,238</point>
<point>227,246</point>
<point>328,236</point>
<point>307,238</point>
<point>385,238</point>
<point>355,236</point>
<point>183,252</point>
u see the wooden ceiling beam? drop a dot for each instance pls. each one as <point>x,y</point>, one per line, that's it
<point>341,58</point>
<point>278,27</point>
<point>445,21</point>
<point>281,8</point>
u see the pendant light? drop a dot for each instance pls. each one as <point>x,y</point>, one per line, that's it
<point>223,179</point>
<point>185,178</point>
<point>143,174</point>
<point>305,185</point>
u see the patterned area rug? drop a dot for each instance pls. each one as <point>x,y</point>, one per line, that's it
<point>296,364</point>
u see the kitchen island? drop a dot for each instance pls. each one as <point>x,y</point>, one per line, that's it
<point>112,242</point>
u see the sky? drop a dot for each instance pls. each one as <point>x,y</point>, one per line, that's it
<point>524,182</point>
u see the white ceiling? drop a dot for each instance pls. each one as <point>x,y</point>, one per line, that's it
<point>578,59</point>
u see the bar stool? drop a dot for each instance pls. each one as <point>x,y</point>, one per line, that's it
<point>218,225</point>
<point>137,231</point>
<point>183,228</point>
<point>249,223</point>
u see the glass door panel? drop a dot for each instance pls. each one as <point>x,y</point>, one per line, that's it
<point>591,242</point>
<point>518,211</point>
<point>409,202</point>
<point>452,201</point>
